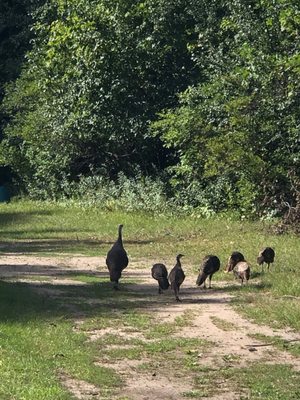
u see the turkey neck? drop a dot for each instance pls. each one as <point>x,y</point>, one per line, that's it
<point>120,235</point>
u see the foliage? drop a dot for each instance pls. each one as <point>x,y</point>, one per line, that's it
<point>129,194</point>
<point>242,122</point>
<point>217,82</point>
<point>102,71</point>
<point>15,22</point>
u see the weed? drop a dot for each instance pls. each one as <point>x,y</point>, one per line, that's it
<point>222,324</point>
<point>292,346</point>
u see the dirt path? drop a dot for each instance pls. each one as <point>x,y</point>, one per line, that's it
<point>213,319</point>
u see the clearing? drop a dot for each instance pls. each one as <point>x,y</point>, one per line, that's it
<point>207,317</point>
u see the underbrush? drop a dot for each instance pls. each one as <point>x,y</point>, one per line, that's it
<point>156,195</point>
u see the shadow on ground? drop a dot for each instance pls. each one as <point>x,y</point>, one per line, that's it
<point>92,296</point>
<point>60,245</point>
<point>6,218</point>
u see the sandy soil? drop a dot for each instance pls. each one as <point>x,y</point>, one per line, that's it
<point>232,344</point>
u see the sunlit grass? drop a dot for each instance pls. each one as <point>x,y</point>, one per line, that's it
<point>257,381</point>
<point>274,301</point>
<point>55,229</point>
<point>39,336</point>
<point>51,229</point>
<point>292,346</point>
<point>38,343</point>
<point>222,324</point>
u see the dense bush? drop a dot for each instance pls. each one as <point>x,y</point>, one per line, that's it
<point>97,74</point>
<point>129,194</point>
<point>206,93</point>
<point>240,125</point>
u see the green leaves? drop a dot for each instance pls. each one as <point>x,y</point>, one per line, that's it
<point>103,69</point>
<point>218,83</point>
<point>241,122</point>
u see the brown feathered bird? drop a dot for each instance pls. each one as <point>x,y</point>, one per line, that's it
<point>177,276</point>
<point>267,256</point>
<point>117,259</point>
<point>210,265</point>
<point>242,271</point>
<point>160,273</point>
<point>235,257</point>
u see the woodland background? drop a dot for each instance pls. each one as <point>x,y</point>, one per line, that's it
<point>153,105</point>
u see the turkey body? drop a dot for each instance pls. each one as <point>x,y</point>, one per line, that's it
<point>160,273</point>
<point>116,259</point>
<point>210,265</point>
<point>267,256</point>
<point>235,258</point>
<point>177,276</point>
<point>242,271</point>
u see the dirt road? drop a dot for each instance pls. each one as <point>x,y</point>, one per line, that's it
<point>212,318</point>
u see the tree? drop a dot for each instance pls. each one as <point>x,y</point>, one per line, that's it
<point>241,125</point>
<point>15,35</point>
<point>97,75</point>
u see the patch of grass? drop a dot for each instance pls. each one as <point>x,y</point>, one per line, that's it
<point>270,382</point>
<point>231,358</point>
<point>257,381</point>
<point>37,344</point>
<point>37,278</point>
<point>265,308</point>
<point>160,330</point>
<point>172,350</point>
<point>185,319</point>
<point>222,324</point>
<point>272,298</point>
<point>193,394</point>
<point>292,346</point>
<point>192,357</point>
<point>84,278</point>
<point>37,338</point>
<point>123,398</point>
<point>136,320</point>
<point>38,227</point>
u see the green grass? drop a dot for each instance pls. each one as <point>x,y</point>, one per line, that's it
<point>262,303</point>
<point>51,229</point>
<point>256,382</point>
<point>45,229</point>
<point>292,346</point>
<point>37,343</point>
<point>222,324</point>
<point>37,336</point>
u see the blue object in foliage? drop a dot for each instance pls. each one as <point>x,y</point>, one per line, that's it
<point>4,195</point>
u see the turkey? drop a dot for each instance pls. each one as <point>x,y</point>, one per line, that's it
<point>176,276</point>
<point>117,260</point>
<point>242,271</point>
<point>160,273</point>
<point>210,265</point>
<point>235,257</point>
<point>267,256</point>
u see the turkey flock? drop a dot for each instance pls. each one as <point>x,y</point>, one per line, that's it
<point>117,261</point>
